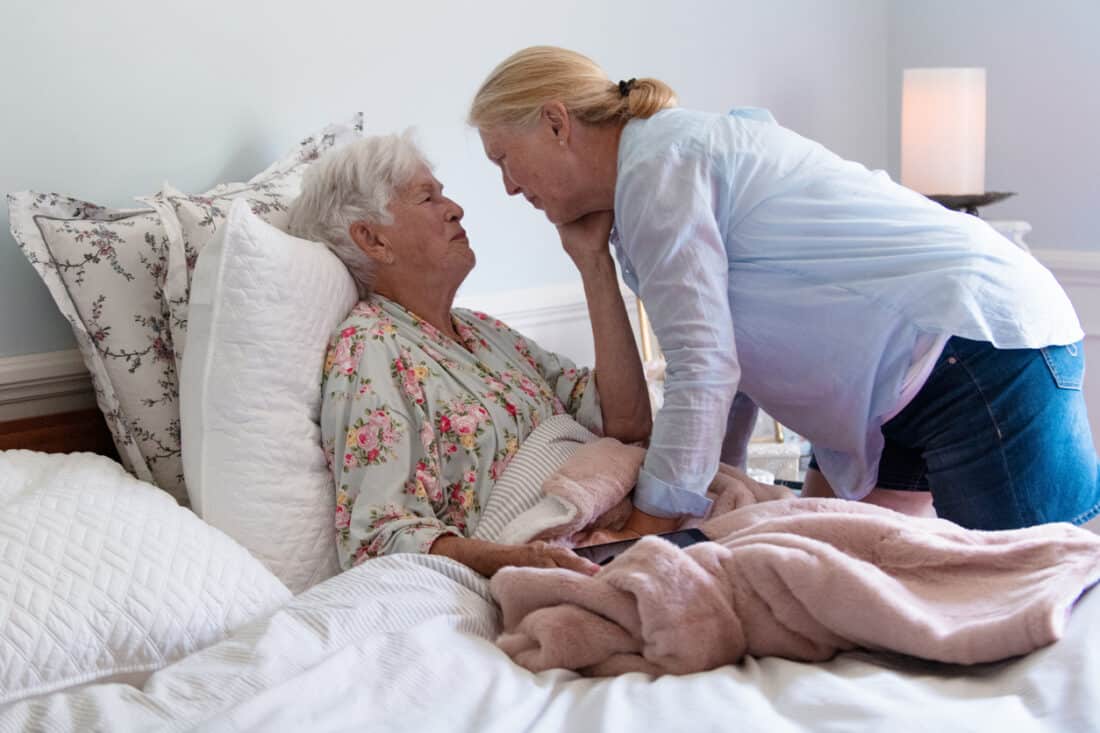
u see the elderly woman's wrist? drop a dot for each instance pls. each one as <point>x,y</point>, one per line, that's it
<point>478,555</point>
<point>449,545</point>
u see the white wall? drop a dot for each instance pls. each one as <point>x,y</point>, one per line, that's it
<point>1043,96</point>
<point>108,100</point>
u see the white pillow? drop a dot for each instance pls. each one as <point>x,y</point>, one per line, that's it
<point>263,306</point>
<point>193,220</point>
<point>104,577</point>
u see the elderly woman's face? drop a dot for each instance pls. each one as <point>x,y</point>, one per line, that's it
<point>426,234</point>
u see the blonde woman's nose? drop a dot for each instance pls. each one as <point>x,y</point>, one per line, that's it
<point>509,185</point>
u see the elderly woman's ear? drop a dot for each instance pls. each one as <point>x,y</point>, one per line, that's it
<point>372,245</point>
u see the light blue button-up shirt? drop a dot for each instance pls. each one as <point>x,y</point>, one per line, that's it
<point>771,266</point>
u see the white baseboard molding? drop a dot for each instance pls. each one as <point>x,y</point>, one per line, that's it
<point>1075,264</point>
<point>555,316</point>
<point>536,307</point>
<point>43,384</point>
<point>1079,274</point>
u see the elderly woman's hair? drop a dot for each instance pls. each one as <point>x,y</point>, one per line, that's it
<point>354,183</point>
<point>514,92</point>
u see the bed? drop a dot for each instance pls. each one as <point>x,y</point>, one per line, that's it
<point>405,643</point>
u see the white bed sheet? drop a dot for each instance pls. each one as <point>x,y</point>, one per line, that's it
<point>404,643</point>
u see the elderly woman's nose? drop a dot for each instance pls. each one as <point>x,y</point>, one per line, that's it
<point>454,211</point>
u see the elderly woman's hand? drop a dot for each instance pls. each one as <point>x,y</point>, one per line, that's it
<point>489,557</point>
<point>586,239</point>
<point>544,555</point>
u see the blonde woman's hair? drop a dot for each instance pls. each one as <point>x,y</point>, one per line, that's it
<point>513,94</point>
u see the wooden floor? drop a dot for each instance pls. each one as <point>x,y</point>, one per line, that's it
<point>66,432</point>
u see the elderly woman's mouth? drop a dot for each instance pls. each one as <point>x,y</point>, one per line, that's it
<point>460,237</point>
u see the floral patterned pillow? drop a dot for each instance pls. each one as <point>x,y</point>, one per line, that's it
<point>122,276</point>
<point>105,268</point>
<point>193,220</point>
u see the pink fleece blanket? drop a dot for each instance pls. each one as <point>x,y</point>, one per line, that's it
<point>796,578</point>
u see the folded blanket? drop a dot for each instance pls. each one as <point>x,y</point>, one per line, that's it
<point>802,579</point>
<point>517,509</point>
<point>566,483</point>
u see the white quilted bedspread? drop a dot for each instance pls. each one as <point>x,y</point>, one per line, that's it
<point>103,576</point>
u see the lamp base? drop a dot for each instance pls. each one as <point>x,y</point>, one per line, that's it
<point>969,202</point>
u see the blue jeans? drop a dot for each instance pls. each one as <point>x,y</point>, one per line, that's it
<point>999,436</point>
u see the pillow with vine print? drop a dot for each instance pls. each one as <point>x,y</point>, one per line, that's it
<point>110,272</point>
<point>105,269</point>
<point>192,220</point>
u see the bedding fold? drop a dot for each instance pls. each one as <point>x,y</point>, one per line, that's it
<point>801,579</point>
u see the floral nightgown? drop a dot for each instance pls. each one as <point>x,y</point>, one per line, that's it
<point>417,428</point>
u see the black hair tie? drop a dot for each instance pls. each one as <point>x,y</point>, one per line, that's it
<point>626,86</point>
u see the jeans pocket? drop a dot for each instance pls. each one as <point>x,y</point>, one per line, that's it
<point>1066,364</point>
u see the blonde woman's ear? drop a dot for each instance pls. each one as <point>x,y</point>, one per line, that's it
<point>557,117</point>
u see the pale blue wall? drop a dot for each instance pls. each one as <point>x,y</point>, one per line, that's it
<point>1042,61</point>
<point>108,100</point>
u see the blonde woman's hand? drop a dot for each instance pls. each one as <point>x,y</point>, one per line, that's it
<point>605,536</point>
<point>586,239</point>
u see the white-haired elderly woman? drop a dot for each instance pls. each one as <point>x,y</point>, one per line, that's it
<point>424,405</point>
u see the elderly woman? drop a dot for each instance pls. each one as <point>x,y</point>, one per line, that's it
<point>424,405</point>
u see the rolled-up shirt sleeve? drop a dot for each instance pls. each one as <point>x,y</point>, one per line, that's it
<point>668,231</point>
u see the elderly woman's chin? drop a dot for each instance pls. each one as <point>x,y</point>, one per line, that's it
<point>470,257</point>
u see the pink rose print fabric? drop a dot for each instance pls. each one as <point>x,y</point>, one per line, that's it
<point>418,428</point>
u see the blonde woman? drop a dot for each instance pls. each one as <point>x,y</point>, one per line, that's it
<point>917,348</point>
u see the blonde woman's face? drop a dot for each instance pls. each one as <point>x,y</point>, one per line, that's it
<point>534,162</point>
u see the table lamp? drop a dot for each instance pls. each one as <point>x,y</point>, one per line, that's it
<point>943,137</point>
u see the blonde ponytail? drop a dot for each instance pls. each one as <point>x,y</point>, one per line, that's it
<point>647,97</point>
<point>514,92</point>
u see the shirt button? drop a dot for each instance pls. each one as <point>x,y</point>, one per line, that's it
<point>952,360</point>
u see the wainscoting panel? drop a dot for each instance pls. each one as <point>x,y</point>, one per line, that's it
<point>555,316</point>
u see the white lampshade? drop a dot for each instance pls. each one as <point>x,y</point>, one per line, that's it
<point>943,131</point>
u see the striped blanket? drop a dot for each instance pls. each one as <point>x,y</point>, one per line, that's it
<point>517,509</point>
